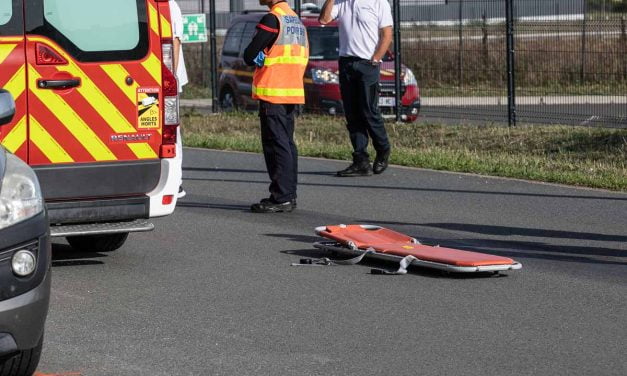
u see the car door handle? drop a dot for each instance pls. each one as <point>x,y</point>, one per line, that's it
<point>57,84</point>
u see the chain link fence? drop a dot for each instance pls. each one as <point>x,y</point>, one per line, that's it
<point>568,60</point>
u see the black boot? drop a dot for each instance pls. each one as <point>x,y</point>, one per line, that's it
<point>381,161</point>
<point>268,205</point>
<point>361,168</point>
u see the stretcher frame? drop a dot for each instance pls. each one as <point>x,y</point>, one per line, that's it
<point>350,249</point>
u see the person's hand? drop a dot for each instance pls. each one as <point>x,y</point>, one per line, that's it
<point>259,60</point>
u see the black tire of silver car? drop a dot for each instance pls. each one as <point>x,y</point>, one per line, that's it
<point>98,243</point>
<point>228,102</point>
<point>299,110</point>
<point>23,363</point>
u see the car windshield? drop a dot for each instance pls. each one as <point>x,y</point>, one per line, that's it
<point>324,43</point>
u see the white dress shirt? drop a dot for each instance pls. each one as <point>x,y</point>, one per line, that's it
<point>359,23</point>
<point>177,31</point>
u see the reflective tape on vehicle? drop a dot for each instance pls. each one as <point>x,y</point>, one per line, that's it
<point>5,51</point>
<point>47,144</point>
<point>16,85</point>
<point>16,137</point>
<point>73,122</point>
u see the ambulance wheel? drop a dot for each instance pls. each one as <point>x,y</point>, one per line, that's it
<point>22,363</point>
<point>98,243</point>
<point>228,103</point>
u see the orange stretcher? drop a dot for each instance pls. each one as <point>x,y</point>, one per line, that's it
<point>385,244</point>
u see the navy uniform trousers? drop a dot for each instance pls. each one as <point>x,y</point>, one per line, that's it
<point>359,86</point>
<point>279,150</point>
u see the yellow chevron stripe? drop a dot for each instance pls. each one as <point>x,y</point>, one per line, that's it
<point>152,18</point>
<point>142,150</point>
<point>17,84</point>
<point>5,50</point>
<point>70,119</point>
<point>92,94</point>
<point>118,74</point>
<point>11,39</point>
<point>47,144</point>
<point>153,65</point>
<point>166,28</point>
<point>17,137</point>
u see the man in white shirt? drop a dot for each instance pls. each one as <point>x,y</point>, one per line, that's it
<point>176,18</point>
<point>365,34</point>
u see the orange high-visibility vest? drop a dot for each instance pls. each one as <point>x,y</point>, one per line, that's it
<point>280,80</point>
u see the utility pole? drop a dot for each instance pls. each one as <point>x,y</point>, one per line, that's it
<point>460,56</point>
<point>398,106</point>
<point>214,58</point>
<point>511,78</point>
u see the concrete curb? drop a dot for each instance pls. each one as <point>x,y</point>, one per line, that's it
<point>538,100</point>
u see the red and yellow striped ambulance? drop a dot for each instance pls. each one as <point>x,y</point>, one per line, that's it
<point>97,112</point>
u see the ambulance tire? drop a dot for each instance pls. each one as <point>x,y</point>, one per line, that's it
<point>24,363</point>
<point>98,243</point>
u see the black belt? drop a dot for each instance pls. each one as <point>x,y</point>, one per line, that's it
<point>353,58</point>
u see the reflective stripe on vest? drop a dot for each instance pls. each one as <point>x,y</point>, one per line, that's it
<point>280,80</point>
<point>279,92</point>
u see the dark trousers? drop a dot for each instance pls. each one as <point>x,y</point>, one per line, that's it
<point>359,85</point>
<point>279,150</point>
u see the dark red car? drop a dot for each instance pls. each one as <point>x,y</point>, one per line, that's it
<point>322,86</point>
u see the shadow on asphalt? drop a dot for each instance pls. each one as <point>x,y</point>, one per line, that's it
<point>381,264</point>
<point>297,238</point>
<point>64,255</point>
<point>526,249</point>
<point>241,171</point>
<point>508,231</point>
<point>416,189</point>
<point>206,205</point>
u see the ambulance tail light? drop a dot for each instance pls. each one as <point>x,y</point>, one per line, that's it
<point>47,56</point>
<point>170,103</point>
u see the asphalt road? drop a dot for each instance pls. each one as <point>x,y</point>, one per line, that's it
<point>593,115</point>
<point>211,290</point>
<point>610,115</point>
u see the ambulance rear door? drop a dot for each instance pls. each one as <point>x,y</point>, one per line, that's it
<point>13,75</point>
<point>94,93</point>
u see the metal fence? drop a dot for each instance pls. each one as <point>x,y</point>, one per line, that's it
<point>549,62</point>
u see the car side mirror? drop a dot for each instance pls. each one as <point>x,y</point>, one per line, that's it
<point>7,107</point>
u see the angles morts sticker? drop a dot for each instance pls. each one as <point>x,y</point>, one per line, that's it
<point>148,109</point>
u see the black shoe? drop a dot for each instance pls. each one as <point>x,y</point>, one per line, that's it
<point>356,169</point>
<point>269,200</point>
<point>381,162</point>
<point>268,205</point>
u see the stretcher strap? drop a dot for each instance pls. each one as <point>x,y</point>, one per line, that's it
<point>325,261</point>
<point>402,268</point>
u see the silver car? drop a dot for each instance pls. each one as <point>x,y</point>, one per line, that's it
<point>24,260</point>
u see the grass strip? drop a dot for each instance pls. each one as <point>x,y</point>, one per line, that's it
<point>580,156</point>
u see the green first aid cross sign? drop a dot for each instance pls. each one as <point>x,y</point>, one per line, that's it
<point>194,28</point>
